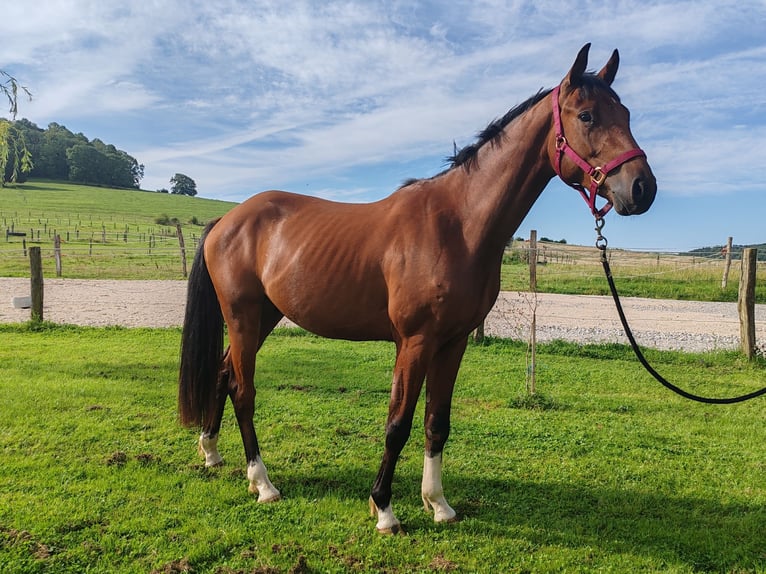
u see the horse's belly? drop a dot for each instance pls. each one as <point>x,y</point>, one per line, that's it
<point>354,326</point>
<point>336,313</point>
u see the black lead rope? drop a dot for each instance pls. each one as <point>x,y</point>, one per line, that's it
<point>601,244</point>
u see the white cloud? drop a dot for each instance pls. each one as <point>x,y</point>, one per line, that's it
<point>285,91</point>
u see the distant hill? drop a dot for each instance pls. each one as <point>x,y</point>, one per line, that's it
<point>58,154</point>
<point>736,251</point>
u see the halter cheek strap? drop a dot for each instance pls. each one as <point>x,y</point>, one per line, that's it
<point>597,174</point>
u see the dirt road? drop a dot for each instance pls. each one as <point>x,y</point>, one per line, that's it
<point>662,324</point>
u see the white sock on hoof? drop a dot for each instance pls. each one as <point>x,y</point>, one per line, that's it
<point>387,521</point>
<point>260,483</point>
<point>432,491</point>
<point>208,447</point>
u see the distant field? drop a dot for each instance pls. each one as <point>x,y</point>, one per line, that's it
<point>105,233</point>
<point>576,270</point>
<point>120,234</point>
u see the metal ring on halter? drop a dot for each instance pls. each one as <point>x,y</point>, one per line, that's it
<point>600,222</point>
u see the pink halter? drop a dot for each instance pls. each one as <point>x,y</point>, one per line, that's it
<point>597,174</point>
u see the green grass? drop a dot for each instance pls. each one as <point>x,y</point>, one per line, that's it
<point>636,274</point>
<point>106,233</point>
<point>606,472</point>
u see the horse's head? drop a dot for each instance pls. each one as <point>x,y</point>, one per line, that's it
<point>593,149</point>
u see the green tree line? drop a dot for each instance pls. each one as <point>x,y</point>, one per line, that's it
<point>736,251</point>
<point>56,153</point>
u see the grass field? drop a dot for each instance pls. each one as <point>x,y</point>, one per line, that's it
<point>115,234</point>
<point>576,270</point>
<point>607,472</point>
<point>105,233</point>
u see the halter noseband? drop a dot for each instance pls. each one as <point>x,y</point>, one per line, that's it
<point>597,174</point>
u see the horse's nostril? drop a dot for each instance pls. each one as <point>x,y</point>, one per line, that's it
<point>639,189</point>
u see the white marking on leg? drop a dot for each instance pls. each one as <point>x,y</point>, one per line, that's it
<point>432,491</point>
<point>208,447</point>
<point>260,483</point>
<point>387,521</point>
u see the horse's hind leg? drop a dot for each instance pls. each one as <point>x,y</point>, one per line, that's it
<point>440,382</point>
<point>208,440</point>
<point>246,334</point>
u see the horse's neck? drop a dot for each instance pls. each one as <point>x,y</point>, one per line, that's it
<point>508,177</point>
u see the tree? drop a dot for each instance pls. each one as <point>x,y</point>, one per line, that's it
<point>10,88</point>
<point>86,164</point>
<point>183,185</point>
<point>57,153</point>
<point>15,158</point>
<point>53,162</point>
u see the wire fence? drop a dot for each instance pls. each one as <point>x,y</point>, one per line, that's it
<point>130,251</point>
<point>75,248</point>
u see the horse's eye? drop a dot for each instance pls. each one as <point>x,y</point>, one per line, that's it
<point>585,117</point>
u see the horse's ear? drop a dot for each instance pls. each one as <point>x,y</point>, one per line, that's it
<point>609,71</point>
<point>574,77</point>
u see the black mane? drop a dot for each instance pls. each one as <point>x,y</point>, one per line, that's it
<point>493,133</point>
<point>590,85</point>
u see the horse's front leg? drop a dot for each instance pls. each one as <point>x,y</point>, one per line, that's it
<point>440,383</point>
<point>409,372</point>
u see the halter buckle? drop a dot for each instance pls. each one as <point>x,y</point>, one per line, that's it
<point>561,143</point>
<point>598,177</point>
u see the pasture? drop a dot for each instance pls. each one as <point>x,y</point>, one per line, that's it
<point>105,233</point>
<point>604,472</point>
<point>114,234</point>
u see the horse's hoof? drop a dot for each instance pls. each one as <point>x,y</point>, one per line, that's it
<point>395,530</point>
<point>211,460</point>
<point>266,497</point>
<point>452,520</point>
<point>443,512</point>
<point>270,499</point>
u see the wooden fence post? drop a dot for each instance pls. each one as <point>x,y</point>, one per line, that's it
<point>533,260</point>
<point>746,302</point>
<point>57,253</point>
<point>183,248</point>
<point>532,373</point>
<point>36,283</point>
<point>727,265</point>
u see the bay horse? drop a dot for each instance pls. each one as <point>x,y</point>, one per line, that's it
<point>420,268</point>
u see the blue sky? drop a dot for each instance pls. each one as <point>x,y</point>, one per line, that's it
<point>345,100</point>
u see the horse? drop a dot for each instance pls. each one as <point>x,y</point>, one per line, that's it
<point>420,268</point>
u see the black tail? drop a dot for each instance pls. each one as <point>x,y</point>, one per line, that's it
<point>201,344</point>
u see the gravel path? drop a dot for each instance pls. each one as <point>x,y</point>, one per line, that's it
<point>661,324</point>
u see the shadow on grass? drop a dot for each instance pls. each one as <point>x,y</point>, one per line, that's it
<point>703,534</point>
